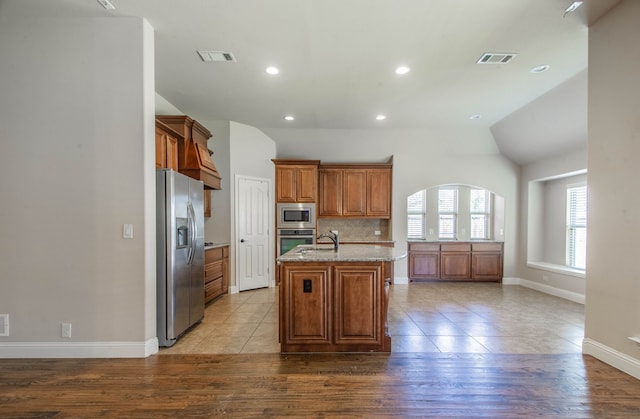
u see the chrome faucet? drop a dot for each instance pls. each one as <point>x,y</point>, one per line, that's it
<point>333,237</point>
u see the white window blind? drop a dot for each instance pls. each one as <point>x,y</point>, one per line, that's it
<point>577,227</point>
<point>480,211</point>
<point>447,213</point>
<point>416,215</point>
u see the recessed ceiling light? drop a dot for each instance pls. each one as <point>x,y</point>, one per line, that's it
<point>381,117</point>
<point>272,70</point>
<point>572,7</point>
<point>289,117</point>
<point>476,116</point>
<point>540,68</point>
<point>402,70</point>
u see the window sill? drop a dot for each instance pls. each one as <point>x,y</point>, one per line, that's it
<point>559,269</point>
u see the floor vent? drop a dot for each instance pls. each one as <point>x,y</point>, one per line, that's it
<point>4,325</point>
<point>216,56</point>
<point>496,58</point>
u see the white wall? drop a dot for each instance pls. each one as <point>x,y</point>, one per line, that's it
<point>76,163</point>
<point>421,158</point>
<point>218,226</point>
<point>238,150</point>
<point>532,234</point>
<point>613,278</point>
<point>251,154</point>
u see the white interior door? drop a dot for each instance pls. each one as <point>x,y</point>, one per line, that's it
<point>252,204</point>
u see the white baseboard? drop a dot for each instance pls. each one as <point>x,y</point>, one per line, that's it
<point>233,289</point>
<point>558,292</point>
<point>78,349</point>
<point>616,359</point>
<point>401,280</point>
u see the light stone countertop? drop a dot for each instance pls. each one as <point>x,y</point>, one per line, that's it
<point>345,253</point>
<point>215,245</point>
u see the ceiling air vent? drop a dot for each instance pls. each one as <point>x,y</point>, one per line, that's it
<point>496,58</point>
<point>215,56</point>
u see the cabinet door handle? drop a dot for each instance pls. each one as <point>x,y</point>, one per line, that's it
<point>242,240</point>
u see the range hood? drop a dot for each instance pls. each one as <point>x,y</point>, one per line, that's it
<point>194,158</point>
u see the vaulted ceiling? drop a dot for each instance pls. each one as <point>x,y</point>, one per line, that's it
<point>337,60</point>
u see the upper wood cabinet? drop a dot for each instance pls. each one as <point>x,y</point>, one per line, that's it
<point>296,180</point>
<point>166,146</point>
<point>358,191</point>
<point>194,158</point>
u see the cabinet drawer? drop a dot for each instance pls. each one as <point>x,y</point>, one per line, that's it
<point>424,247</point>
<point>212,255</point>
<point>212,288</point>
<point>486,247</point>
<point>213,270</point>
<point>455,247</point>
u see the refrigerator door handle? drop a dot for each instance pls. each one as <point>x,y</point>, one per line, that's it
<point>194,233</point>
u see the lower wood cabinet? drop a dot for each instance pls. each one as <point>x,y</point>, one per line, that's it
<point>460,261</point>
<point>334,307</point>
<point>216,272</point>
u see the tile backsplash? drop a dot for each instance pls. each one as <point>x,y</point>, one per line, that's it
<point>356,229</point>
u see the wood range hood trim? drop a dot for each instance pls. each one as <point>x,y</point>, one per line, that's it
<point>194,158</point>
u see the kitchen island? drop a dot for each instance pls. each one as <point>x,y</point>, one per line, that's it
<point>335,301</point>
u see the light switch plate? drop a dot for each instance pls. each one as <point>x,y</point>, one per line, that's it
<point>127,231</point>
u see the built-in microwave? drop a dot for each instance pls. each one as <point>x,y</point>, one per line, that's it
<point>296,215</point>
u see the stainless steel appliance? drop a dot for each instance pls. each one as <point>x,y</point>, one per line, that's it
<point>296,215</point>
<point>290,238</point>
<point>180,254</point>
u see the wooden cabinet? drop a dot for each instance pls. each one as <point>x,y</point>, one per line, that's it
<point>166,146</point>
<point>216,272</point>
<point>296,180</point>
<point>207,203</point>
<point>356,191</point>
<point>194,157</point>
<point>424,261</point>
<point>455,261</point>
<point>486,261</point>
<point>339,307</point>
<point>379,193</point>
<point>461,261</point>
<point>307,312</point>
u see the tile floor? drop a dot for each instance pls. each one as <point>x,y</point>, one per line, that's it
<point>423,317</point>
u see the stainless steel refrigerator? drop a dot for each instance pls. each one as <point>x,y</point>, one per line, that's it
<point>180,254</point>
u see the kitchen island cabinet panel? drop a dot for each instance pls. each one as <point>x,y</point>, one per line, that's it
<point>352,284</point>
<point>358,314</point>
<point>307,291</point>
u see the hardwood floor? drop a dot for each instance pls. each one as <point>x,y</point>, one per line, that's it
<point>319,385</point>
<point>460,350</point>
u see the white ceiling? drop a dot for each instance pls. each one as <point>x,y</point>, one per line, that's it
<point>337,61</point>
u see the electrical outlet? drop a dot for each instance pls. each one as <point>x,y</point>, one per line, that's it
<point>431,232</point>
<point>4,325</point>
<point>377,233</point>
<point>334,231</point>
<point>66,330</point>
